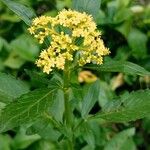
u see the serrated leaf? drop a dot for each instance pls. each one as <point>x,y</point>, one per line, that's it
<point>119,66</point>
<point>25,13</point>
<point>26,109</point>
<point>129,107</point>
<point>119,139</point>
<point>11,88</point>
<point>90,98</point>
<point>87,6</point>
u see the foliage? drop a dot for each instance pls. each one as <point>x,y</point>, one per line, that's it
<point>42,112</point>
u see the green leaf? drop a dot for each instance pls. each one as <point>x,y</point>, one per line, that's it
<point>57,108</point>
<point>25,13</point>
<point>11,88</point>
<point>37,79</point>
<point>25,47</point>
<point>89,6</point>
<point>129,107</point>
<point>5,142</point>
<point>122,15</point>
<point>26,109</point>
<point>129,144</point>
<point>90,98</point>
<point>14,61</point>
<point>119,139</point>
<point>22,140</point>
<point>88,136</point>
<point>45,129</point>
<point>137,41</point>
<point>119,66</point>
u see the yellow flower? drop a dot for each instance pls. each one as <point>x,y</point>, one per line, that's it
<point>69,32</point>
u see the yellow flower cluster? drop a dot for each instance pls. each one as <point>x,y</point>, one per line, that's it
<point>70,32</point>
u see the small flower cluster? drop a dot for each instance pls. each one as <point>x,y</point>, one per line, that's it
<point>70,32</point>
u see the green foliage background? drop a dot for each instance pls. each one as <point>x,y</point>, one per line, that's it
<point>125,25</point>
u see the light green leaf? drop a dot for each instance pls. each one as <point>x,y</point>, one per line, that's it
<point>22,140</point>
<point>129,144</point>
<point>119,139</point>
<point>122,15</point>
<point>123,3</point>
<point>14,61</point>
<point>88,136</point>
<point>119,66</point>
<point>130,107</point>
<point>90,98</point>
<point>25,13</point>
<point>25,47</point>
<point>137,41</point>
<point>87,6</point>
<point>5,142</point>
<point>11,88</point>
<point>26,109</point>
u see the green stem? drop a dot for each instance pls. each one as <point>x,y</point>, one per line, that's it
<point>66,97</point>
<point>67,114</point>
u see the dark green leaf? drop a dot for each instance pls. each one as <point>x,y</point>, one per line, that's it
<point>26,109</point>
<point>137,42</point>
<point>45,129</point>
<point>57,108</point>
<point>89,6</point>
<point>120,66</point>
<point>25,13</point>
<point>130,107</point>
<point>11,88</point>
<point>90,98</point>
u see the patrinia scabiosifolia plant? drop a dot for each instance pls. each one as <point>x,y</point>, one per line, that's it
<point>72,43</point>
<point>65,30</point>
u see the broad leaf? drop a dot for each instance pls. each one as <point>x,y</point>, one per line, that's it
<point>130,107</point>
<point>45,129</point>
<point>57,108</point>
<point>119,66</point>
<point>14,61</point>
<point>25,13</point>
<point>90,98</point>
<point>26,108</point>
<point>22,140</point>
<point>87,6</point>
<point>25,47</point>
<point>11,88</point>
<point>119,139</point>
<point>137,42</point>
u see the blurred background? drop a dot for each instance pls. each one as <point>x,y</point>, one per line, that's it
<point>125,26</point>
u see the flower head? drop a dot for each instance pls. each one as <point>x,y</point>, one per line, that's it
<point>69,32</point>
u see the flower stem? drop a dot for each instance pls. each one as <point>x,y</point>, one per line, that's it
<point>67,114</point>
